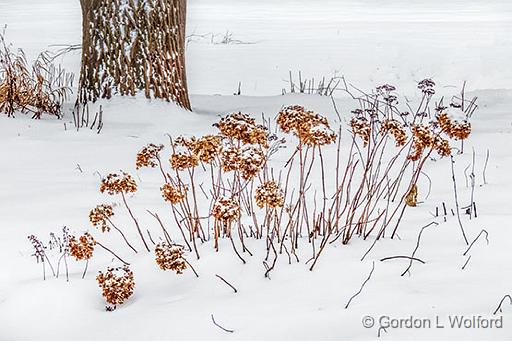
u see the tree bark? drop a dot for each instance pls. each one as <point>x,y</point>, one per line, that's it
<point>133,45</point>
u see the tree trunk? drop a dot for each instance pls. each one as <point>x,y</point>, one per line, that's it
<point>133,45</point>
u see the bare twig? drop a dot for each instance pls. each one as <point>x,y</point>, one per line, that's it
<point>229,284</point>
<point>194,270</point>
<point>499,308</point>
<point>417,246</point>
<point>221,327</point>
<point>401,257</point>
<point>474,240</point>
<point>362,286</point>
<point>457,201</point>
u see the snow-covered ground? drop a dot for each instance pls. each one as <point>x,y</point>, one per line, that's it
<point>50,175</point>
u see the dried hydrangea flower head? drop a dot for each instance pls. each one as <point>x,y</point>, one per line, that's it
<point>207,147</point>
<point>311,128</point>
<point>454,129</point>
<point>170,257</point>
<point>226,211</point>
<point>100,215</point>
<point>319,135</point>
<point>148,156</point>
<point>181,161</point>
<point>83,248</point>
<point>242,127</point>
<point>187,142</point>
<point>269,194</point>
<point>117,284</point>
<point>172,194</point>
<point>118,183</point>
<point>442,146</point>
<point>396,129</point>
<point>230,158</point>
<point>422,139</point>
<point>361,127</point>
<point>248,160</point>
<point>252,160</point>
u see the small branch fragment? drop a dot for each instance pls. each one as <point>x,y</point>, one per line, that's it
<point>362,286</point>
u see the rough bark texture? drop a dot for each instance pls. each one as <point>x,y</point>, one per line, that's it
<point>132,45</point>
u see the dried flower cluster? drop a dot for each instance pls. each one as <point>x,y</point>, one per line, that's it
<point>118,183</point>
<point>422,139</point>
<point>83,248</point>
<point>38,248</point>
<point>442,146</point>
<point>148,156</point>
<point>99,217</point>
<point>231,158</point>
<point>452,128</point>
<point>251,161</point>
<point>242,127</point>
<point>248,160</point>
<point>207,147</point>
<point>427,87</point>
<point>425,137</point>
<point>172,194</point>
<point>312,129</point>
<point>361,127</point>
<point>117,284</point>
<point>269,194</point>
<point>226,211</point>
<point>181,161</point>
<point>396,129</point>
<point>170,257</point>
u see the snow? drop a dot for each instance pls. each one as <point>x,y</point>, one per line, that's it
<point>51,173</point>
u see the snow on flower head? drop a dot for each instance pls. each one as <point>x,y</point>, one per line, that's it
<point>242,127</point>
<point>226,210</point>
<point>148,156</point>
<point>116,183</point>
<point>311,128</point>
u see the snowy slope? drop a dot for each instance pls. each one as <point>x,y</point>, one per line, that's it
<point>367,41</point>
<point>50,175</point>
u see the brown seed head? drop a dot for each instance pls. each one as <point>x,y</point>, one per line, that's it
<point>311,128</point>
<point>99,216</point>
<point>396,129</point>
<point>170,257</point>
<point>117,284</point>
<point>242,127</point>
<point>117,183</point>
<point>269,194</point>
<point>148,156</point>
<point>181,161</point>
<point>226,211</point>
<point>172,194</point>
<point>83,248</point>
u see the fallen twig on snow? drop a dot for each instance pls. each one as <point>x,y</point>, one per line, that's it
<point>417,246</point>
<point>229,284</point>
<point>362,286</point>
<point>474,240</point>
<point>399,257</point>
<point>499,308</point>
<point>221,327</point>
